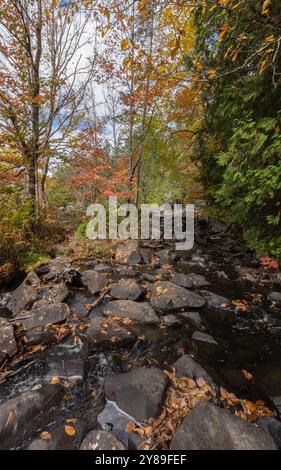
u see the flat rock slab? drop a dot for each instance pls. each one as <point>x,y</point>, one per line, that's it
<point>186,366</point>
<point>208,427</point>
<point>182,280</point>
<point>115,420</point>
<point>140,392</point>
<point>197,280</point>
<point>94,281</point>
<point>8,346</point>
<point>43,315</point>
<point>58,439</point>
<point>171,320</point>
<point>105,333</point>
<point>140,312</point>
<point>101,440</point>
<point>214,300</point>
<point>191,317</point>
<point>167,297</point>
<point>128,253</point>
<point>22,416</point>
<point>275,297</point>
<point>199,337</point>
<point>57,294</point>
<point>127,290</point>
<point>25,295</point>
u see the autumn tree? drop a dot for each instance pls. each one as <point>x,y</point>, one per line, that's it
<point>43,78</point>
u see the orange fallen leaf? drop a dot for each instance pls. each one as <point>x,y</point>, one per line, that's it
<point>131,427</point>
<point>247,375</point>
<point>10,418</point>
<point>70,431</point>
<point>55,380</point>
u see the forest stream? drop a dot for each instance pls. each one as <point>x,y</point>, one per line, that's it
<point>84,347</point>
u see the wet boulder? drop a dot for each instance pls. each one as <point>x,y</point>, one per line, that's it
<point>59,270</point>
<point>208,427</point>
<point>101,440</point>
<point>21,416</point>
<point>273,427</point>
<point>193,318</point>
<point>113,419</point>
<point>140,392</point>
<point>127,290</point>
<point>181,280</point>
<point>171,321</point>
<point>197,280</point>
<point>214,300</point>
<point>105,334</point>
<point>140,312</point>
<point>128,253</point>
<point>43,314</point>
<point>79,304</point>
<point>25,295</point>
<point>198,337</point>
<point>66,363</point>
<point>95,281</point>
<point>167,297</point>
<point>186,366</point>
<point>56,294</point>
<point>275,297</point>
<point>8,346</point>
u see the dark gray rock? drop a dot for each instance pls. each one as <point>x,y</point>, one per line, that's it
<point>127,272</point>
<point>191,317</point>
<point>148,277</point>
<point>171,320</point>
<point>197,280</point>
<point>79,304</point>
<point>181,280</point>
<point>4,311</point>
<point>115,420</point>
<point>94,281</point>
<point>101,440</point>
<point>25,295</point>
<point>127,290</point>
<point>275,297</point>
<point>208,427</point>
<point>60,270</point>
<point>20,417</point>
<point>58,438</point>
<point>186,366</point>
<point>146,255</point>
<point>167,297</point>
<point>214,300</point>
<point>140,392</point>
<point>164,258</point>
<point>43,314</point>
<point>141,312</point>
<point>128,253</point>
<point>105,333</point>
<point>199,337</point>
<point>103,268</point>
<point>273,427</point>
<point>8,345</point>
<point>57,294</point>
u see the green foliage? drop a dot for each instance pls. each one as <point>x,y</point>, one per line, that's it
<point>81,231</point>
<point>239,150</point>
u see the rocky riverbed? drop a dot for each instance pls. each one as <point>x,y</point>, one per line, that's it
<point>153,348</point>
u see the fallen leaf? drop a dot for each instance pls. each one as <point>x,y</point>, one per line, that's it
<point>70,431</point>
<point>10,418</point>
<point>131,427</point>
<point>247,375</point>
<point>55,380</point>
